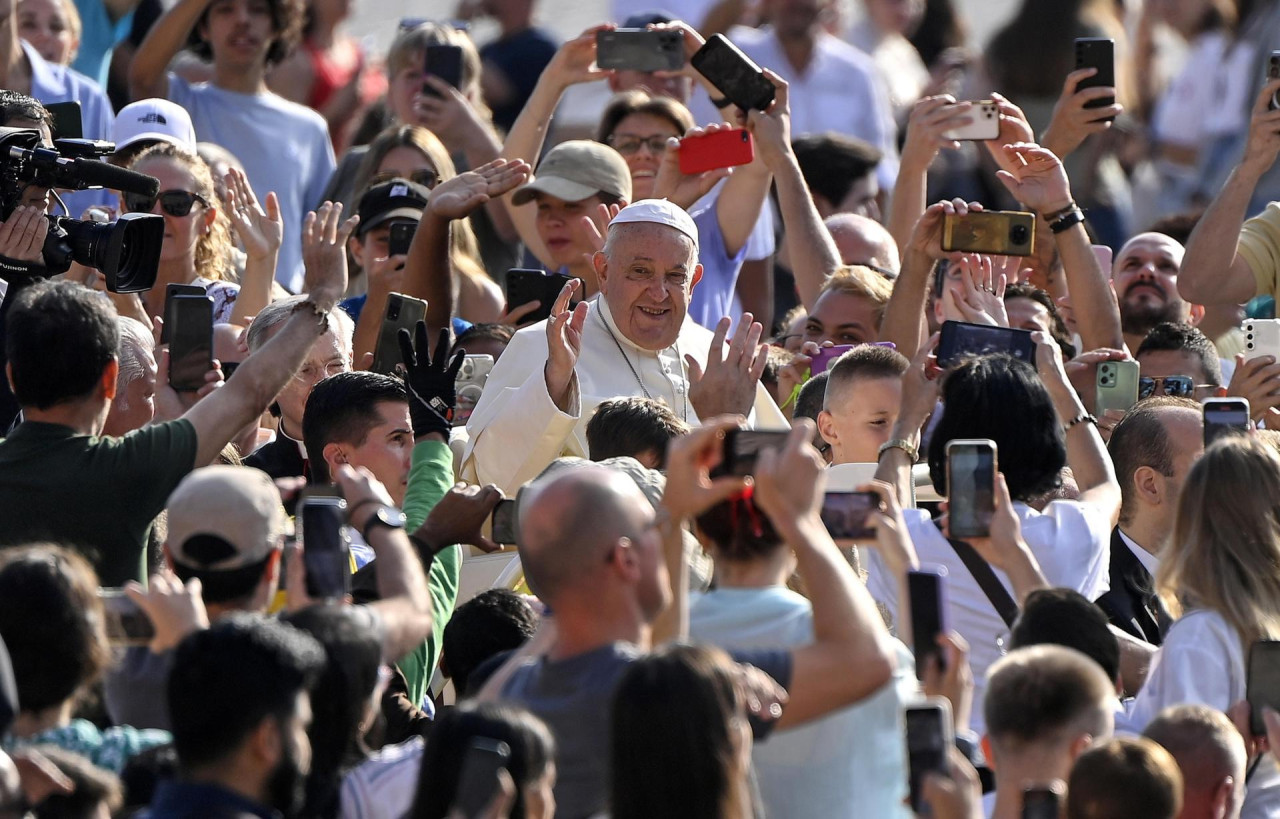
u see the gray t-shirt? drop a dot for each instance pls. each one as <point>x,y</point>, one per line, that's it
<point>575,698</point>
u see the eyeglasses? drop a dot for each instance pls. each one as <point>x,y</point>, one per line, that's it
<point>174,203</point>
<point>629,145</point>
<point>1177,386</point>
<point>425,177</point>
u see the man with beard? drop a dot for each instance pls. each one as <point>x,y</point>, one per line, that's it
<point>1145,278</point>
<point>239,703</point>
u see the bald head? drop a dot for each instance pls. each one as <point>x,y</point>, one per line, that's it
<point>863,241</point>
<point>1209,752</point>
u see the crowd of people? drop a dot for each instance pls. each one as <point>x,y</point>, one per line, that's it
<point>456,316</point>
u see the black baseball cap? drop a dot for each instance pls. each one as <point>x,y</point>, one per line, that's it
<point>394,199</point>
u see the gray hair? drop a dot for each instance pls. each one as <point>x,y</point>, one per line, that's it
<point>136,345</point>
<point>277,312</point>
<point>614,231</point>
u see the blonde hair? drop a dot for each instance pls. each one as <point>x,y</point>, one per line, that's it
<point>860,280</point>
<point>409,47</point>
<point>464,249</point>
<point>1224,555</point>
<point>212,248</point>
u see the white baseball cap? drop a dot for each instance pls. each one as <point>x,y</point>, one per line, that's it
<point>660,212</point>
<point>153,119</point>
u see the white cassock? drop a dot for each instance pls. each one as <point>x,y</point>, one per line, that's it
<point>516,429</point>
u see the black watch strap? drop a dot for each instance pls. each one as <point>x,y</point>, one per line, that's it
<point>388,516</point>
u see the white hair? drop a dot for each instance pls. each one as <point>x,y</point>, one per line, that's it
<point>616,230</point>
<point>136,346</point>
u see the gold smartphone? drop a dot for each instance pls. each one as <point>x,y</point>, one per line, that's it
<point>998,232</point>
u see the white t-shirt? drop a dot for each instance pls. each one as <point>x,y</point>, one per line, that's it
<point>1071,542</point>
<point>1201,662</point>
<point>383,786</point>
<point>849,764</point>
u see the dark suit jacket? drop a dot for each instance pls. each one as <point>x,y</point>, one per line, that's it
<point>279,459</point>
<point>1132,605</point>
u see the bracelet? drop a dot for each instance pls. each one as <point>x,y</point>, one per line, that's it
<point>721,102</point>
<point>900,443</point>
<point>1070,220</point>
<point>1083,418</point>
<point>1060,212</point>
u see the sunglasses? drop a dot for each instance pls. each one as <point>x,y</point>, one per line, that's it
<point>1177,386</point>
<point>174,203</point>
<point>426,177</point>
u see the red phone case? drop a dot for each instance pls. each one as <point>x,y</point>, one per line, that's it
<point>721,149</point>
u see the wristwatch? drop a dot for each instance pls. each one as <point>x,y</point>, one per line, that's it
<point>387,516</point>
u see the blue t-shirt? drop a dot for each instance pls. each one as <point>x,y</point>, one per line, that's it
<point>284,147</point>
<point>520,58</point>
<point>98,38</point>
<point>713,295</point>
<point>355,305</point>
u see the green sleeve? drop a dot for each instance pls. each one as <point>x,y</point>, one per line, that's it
<point>430,478</point>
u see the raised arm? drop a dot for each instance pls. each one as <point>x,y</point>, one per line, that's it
<point>1213,271</point>
<point>219,417</point>
<point>904,321</point>
<point>261,232</point>
<point>919,398</point>
<point>930,119</point>
<point>148,73</point>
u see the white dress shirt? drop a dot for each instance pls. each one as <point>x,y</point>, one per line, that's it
<point>516,430</point>
<point>1149,561</point>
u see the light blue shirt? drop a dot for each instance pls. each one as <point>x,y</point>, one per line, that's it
<point>98,38</point>
<point>284,147</point>
<point>713,297</point>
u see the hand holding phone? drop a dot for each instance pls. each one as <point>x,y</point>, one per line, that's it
<point>847,514</point>
<point>527,285</point>
<point>126,623</point>
<point>742,448</point>
<point>445,63</point>
<point>401,238</point>
<point>1099,53</point>
<point>503,521</point>
<point>734,74</point>
<point>403,312</point>
<point>994,232</point>
<point>822,360</point>
<point>985,125</point>
<point>326,547</point>
<point>714,150</point>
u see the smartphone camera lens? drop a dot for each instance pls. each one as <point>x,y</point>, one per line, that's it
<point>1018,234</point>
<point>394,312</point>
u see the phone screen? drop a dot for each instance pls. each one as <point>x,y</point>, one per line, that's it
<point>1225,418</point>
<point>926,591</point>
<point>504,522</point>
<point>971,475</point>
<point>190,341</point>
<point>126,624</point>
<point>928,742</point>
<point>960,339</point>
<point>326,552</point>
<point>845,514</point>
<point>743,446</point>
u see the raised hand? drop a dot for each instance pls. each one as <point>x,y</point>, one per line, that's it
<point>926,236</point>
<point>728,386</point>
<point>930,119</point>
<point>685,189</point>
<point>564,343</point>
<point>1258,381</point>
<point>324,253</point>
<point>789,483</point>
<point>1037,178</point>
<point>593,228</point>
<point>260,231</point>
<point>1071,122</point>
<point>430,380</point>
<point>449,115</point>
<point>456,198</point>
<point>575,62</point>
<point>175,609</point>
<point>1264,133</point>
<point>772,129</point>
<point>893,541</point>
<point>459,517</point>
<point>981,297</point>
<point>1014,128</point>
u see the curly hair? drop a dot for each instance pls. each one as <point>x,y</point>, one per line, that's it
<point>213,247</point>
<point>287,18</point>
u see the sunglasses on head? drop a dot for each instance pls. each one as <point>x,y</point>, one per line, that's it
<point>174,203</point>
<point>1177,386</point>
<point>425,177</point>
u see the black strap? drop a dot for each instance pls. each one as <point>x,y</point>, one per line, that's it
<point>987,581</point>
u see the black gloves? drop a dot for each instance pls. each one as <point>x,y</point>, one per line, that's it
<point>430,380</point>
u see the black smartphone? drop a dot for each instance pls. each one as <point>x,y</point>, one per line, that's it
<point>845,514</point>
<point>326,550</point>
<point>525,285</point>
<point>1225,416</point>
<point>401,238</point>
<point>1041,802</point>
<point>1262,685</point>
<point>734,74</point>
<point>1099,53</point>
<point>190,341</point>
<point>67,122</point>
<point>929,740</point>
<point>971,486</point>
<point>961,339</point>
<point>639,49</point>
<point>126,623</point>
<point>999,232</point>
<point>927,592</point>
<point>171,290</point>
<point>445,62</point>
<point>743,446</point>
<point>478,780</point>
<point>402,312</point>
<point>504,522</point>
<point>1273,73</point>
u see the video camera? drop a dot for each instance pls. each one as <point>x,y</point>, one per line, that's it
<point>126,251</point>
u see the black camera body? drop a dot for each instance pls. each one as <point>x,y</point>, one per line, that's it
<point>126,251</point>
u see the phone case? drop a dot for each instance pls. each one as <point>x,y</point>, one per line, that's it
<point>638,49</point>
<point>1117,386</point>
<point>1262,337</point>
<point>733,73</point>
<point>170,291</point>
<point>469,385</point>
<point>1099,53</point>
<point>402,312</point>
<point>401,237</point>
<point>721,149</point>
<point>960,338</point>
<point>524,286</point>
<point>927,596</point>
<point>190,342</point>
<point>985,125</point>
<point>445,62</point>
<point>821,361</point>
<point>326,551</point>
<point>998,232</point>
<point>1225,416</point>
<point>929,740</point>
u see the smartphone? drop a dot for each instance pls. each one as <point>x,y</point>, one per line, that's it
<point>720,149</point>
<point>971,486</point>
<point>1042,801</point>
<point>821,361</point>
<point>326,547</point>
<point>999,232</point>
<point>927,593</point>
<point>1099,53</point>
<point>127,625</point>
<point>1225,416</point>
<point>743,446</point>
<point>929,740</point>
<point>1262,337</point>
<point>402,312</point>
<point>504,522</point>
<point>639,49</point>
<point>1117,386</point>
<point>469,385</point>
<point>190,341</point>
<point>67,122</point>
<point>401,238</point>
<point>985,125</point>
<point>1273,73</point>
<point>524,286</point>
<point>478,781</point>
<point>1262,685</point>
<point>445,62</point>
<point>960,339</point>
<point>171,290</point>
<point>733,73</point>
<point>845,514</point>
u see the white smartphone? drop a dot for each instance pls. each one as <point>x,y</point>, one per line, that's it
<point>1262,337</point>
<point>985,125</point>
<point>470,383</point>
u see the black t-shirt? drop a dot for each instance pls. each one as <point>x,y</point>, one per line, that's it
<point>521,58</point>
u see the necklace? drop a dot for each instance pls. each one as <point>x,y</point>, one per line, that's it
<point>684,414</point>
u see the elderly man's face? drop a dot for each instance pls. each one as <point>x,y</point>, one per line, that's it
<point>134,406</point>
<point>647,274</point>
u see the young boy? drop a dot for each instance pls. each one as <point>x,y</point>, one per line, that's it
<point>864,389</point>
